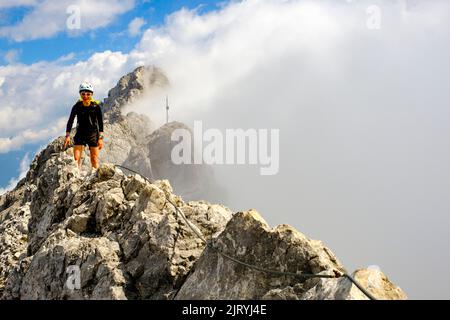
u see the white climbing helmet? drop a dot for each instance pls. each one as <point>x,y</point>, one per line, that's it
<point>86,86</point>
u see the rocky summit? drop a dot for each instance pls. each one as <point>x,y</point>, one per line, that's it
<point>114,234</point>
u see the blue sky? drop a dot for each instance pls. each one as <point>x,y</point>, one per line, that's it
<point>113,36</point>
<point>110,37</point>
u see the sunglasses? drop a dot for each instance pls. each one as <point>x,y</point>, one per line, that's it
<point>86,93</point>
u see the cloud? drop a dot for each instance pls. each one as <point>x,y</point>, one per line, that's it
<point>29,136</point>
<point>23,169</point>
<point>48,18</point>
<point>11,56</point>
<point>135,26</point>
<point>14,118</point>
<point>36,96</point>
<point>362,115</point>
<point>66,57</point>
<point>17,3</point>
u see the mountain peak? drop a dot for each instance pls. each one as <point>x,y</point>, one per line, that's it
<point>130,87</point>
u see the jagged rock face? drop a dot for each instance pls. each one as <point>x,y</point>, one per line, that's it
<point>14,217</point>
<point>97,258</point>
<point>123,237</point>
<point>119,230</point>
<point>191,181</point>
<point>131,140</point>
<point>248,238</point>
<point>131,87</point>
<point>126,144</point>
<point>373,280</point>
<point>126,136</point>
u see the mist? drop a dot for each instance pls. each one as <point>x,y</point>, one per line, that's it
<point>362,113</point>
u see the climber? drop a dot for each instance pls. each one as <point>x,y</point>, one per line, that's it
<point>89,126</point>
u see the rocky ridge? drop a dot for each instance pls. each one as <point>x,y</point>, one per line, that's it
<point>114,235</point>
<point>127,242</point>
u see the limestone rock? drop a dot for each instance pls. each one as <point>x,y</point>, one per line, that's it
<point>372,280</point>
<point>131,139</point>
<point>130,87</point>
<point>123,237</point>
<point>97,261</point>
<point>13,238</point>
<point>125,247</point>
<point>248,237</point>
<point>191,181</point>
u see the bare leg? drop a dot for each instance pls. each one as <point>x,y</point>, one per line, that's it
<point>94,151</point>
<point>78,154</point>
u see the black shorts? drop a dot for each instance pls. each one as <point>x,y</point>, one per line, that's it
<point>90,139</point>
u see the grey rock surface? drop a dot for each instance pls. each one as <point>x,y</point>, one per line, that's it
<point>125,240</point>
<point>120,231</point>
<point>126,136</point>
<point>248,238</point>
<point>191,181</point>
<point>132,139</point>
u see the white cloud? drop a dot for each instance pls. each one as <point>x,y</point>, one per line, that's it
<point>13,118</point>
<point>29,136</point>
<point>11,56</point>
<point>23,169</point>
<point>48,18</point>
<point>66,57</point>
<point>17,3</point>
<point>135,26</point>
<point>34,96</point>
